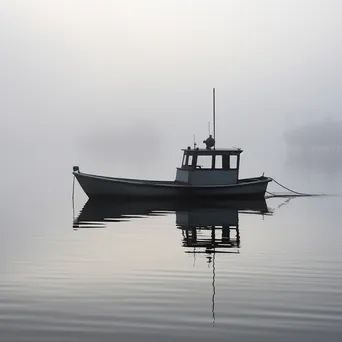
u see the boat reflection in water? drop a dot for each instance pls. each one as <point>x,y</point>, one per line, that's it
<point>209,227</point>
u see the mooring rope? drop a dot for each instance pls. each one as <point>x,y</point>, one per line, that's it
<point>288,189</point>
<point>292,193</point>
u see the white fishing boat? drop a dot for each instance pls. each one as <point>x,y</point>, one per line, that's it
<point>204,172</point>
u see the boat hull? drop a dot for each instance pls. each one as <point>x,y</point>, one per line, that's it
<point>98,186</point>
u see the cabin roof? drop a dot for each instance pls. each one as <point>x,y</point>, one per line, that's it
<point>213,151</point>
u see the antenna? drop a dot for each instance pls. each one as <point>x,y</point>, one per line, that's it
<point>209,127</point>
<point>214,124</point>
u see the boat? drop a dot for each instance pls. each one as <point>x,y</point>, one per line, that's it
<point>204,172</point>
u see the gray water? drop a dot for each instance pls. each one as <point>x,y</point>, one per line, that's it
<point>127,273</point>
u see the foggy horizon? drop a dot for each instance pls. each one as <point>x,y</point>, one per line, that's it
<point>131,83</point>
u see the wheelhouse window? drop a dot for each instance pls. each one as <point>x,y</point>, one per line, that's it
<point>184,159</point>
<point>233,161</point>
<point>215,161</point>
<point>187,160</point>
<point>190,158</point>
<point>204,161</point>
<point>218,162</point>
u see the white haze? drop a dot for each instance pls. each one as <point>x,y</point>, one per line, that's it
<point>96,83</point>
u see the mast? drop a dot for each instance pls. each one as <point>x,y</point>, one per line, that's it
<point>214,124</point>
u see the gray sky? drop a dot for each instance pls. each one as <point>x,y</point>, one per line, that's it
<point>108,72</point>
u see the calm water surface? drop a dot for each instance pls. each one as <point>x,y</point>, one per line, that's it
<point>148,271</point>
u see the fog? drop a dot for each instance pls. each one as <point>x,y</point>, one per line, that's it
<point>119,87</point>
<point>122,86</point>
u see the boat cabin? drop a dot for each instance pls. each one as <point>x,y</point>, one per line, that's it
<point>209,166</point>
